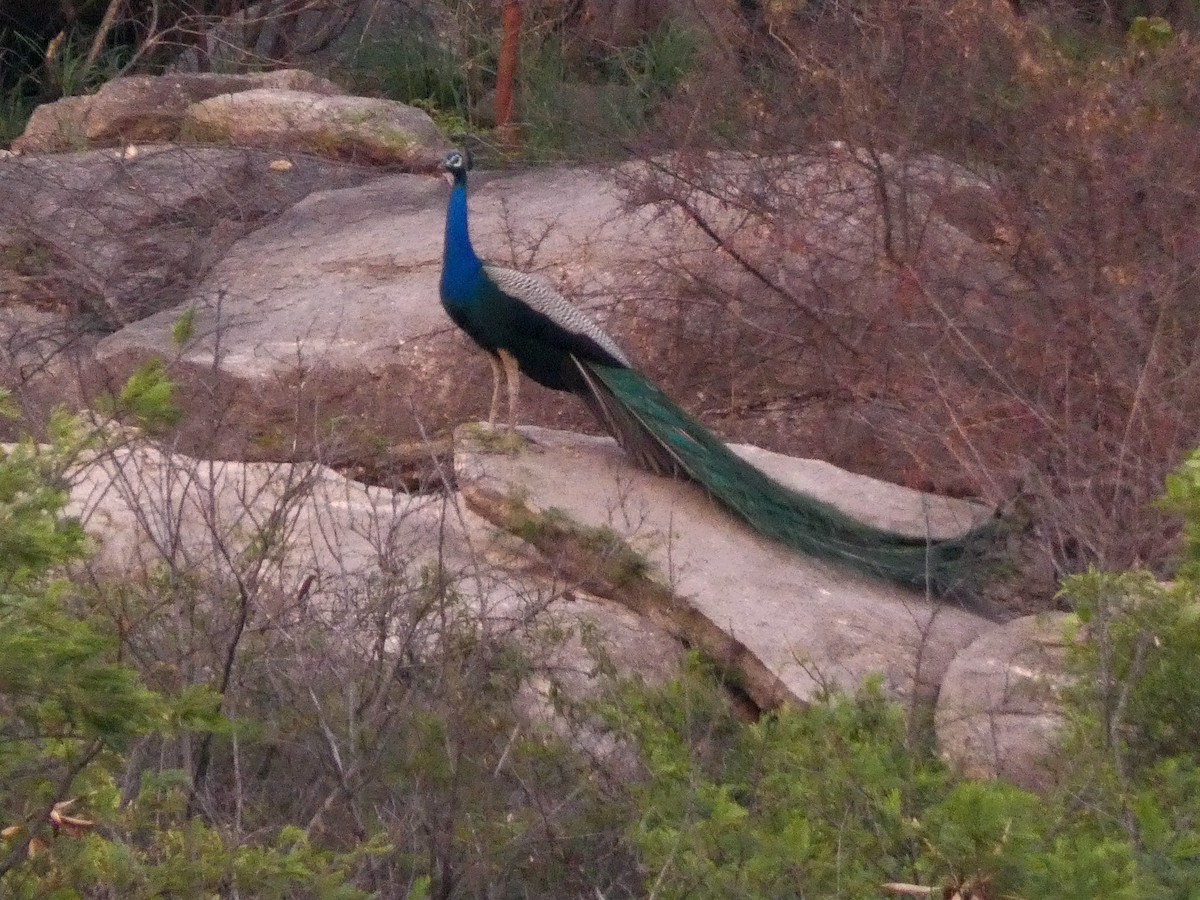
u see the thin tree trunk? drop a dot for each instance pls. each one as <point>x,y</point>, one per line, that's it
<point>506,69</point>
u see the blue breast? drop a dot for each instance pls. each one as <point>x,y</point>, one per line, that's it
<point>463,280</point>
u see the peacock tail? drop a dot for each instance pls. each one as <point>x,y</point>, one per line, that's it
<point>661,437</point>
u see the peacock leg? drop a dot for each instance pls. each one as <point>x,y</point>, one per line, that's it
<point>497,377</point>
<point>513,371</point>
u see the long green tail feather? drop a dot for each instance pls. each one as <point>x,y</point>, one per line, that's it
<point>662,437</point>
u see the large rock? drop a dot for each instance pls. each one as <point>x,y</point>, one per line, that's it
<point>286,111</point>
<point>630,567</point>
<point>145,108</point>
<point>999,714</point>
<point>333,309</point>
<point>277,541</point>
<point>363,129</point>
<point>890,507</point>
<point>787,625</point>
<point>127,232</point>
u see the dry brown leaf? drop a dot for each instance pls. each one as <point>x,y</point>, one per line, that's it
<point>69,825</point>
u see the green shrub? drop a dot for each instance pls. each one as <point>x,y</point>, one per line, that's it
<point>835,801</point>
<point>15,109</point>
<point>591,109</point>
<point>23,85</point>
<point>803,803</point>
<point>72,710</point>
<point>414,68</point>
<point>1137,703</point>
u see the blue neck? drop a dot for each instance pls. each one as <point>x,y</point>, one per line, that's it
<point>460,266</point>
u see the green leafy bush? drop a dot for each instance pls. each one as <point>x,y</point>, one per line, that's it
<point>593,107</point>
<point>147,397</point>
<point>1137,703</point>
<point>71,711</point>
<point>415,67</point>
<point>834,801</point>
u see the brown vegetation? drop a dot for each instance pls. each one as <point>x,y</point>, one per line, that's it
<point>1056,371</point>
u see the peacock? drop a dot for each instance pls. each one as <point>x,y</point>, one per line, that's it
<point>525,325</point>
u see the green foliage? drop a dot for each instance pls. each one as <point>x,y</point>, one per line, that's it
<point>1150,33</point>
<point>65,72</point>
<point>33,536</point>
<point>568,103</point>
<point>455,124</point>
<point>496,440</point>
<point>979,829</point>
<point>1137,701</point>
<point>57,675</point>
<point>414,67</point>
<point>8,406</point>
<point>63,695</point>
<point>1134,730</point>
<point>64,69</point>
<point>15,109</point>
<point>659,64</point>
<point>1182,497</point>
<point>146,396</point>
<point>146,399</point>
<point>834,801</point>
<point>803,803</point>
<point>1145,645</point>
<point>180,857</point>
<point>71,711</point>
<point>591,109</point>
<point>19,87</point>
<point>184,328</point>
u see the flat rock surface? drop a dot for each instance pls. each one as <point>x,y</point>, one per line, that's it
<point>129,231</point>
<point>999,713</point>
<point>891,507</point>
<point>811,623</point>
<point>285,531</point>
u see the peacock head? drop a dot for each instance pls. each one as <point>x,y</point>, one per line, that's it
<point>456,165</point>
